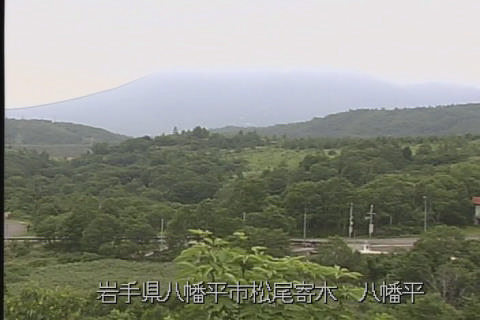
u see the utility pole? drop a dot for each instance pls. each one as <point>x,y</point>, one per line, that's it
<point>370,225</point>
<point>162,237</point>
<point>350,227</point>
<point>244,216</point>
<point>425,215</point>
<point>305,225</point>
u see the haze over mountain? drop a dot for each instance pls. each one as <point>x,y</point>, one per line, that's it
<point>159,102</point>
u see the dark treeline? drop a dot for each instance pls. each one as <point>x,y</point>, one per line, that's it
<point>422,121</point>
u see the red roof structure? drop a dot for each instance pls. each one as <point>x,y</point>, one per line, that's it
<point>476,201</point>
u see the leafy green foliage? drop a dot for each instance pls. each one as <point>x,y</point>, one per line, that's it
<point>445,262</point>
<point>336,252</point>
<point>212,259</point>
<point>275,241</point>
<point>38,304</point>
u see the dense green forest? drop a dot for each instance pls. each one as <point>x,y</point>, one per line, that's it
<point>108,205</point>
<point>427,121</point>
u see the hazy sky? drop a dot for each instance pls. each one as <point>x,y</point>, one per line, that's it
<point>60,49</point>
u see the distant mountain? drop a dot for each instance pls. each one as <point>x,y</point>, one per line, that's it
<point>157,103</point>
<point>438,121</point>
<point>45,132</point>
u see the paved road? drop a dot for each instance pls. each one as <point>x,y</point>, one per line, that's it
<point>374,241</point>
<point>13,228</point>
<point>384,245</point>
<point>386,241</point>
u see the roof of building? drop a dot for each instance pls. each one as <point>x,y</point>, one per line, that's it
<point>476,201</point>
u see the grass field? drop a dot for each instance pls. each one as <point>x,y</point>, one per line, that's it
<point>263,158</point>
<point>472,231</point>
<point>41,268</point>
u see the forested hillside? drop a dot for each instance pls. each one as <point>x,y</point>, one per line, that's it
<point>45,132</point>
<point>250,191</point>
<point>431,121</point>
<point>197,172</point>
